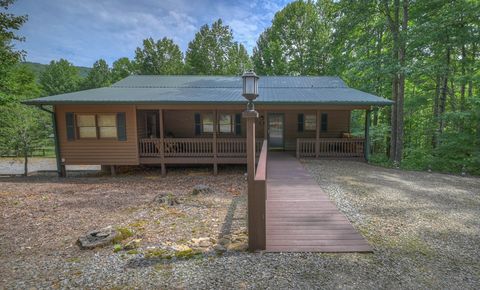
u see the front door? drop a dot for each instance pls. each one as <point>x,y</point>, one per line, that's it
<point>276,130</point>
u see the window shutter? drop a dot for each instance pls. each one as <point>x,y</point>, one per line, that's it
<point>238,124</point>
<point>121,127</point>
<point>70,119</point>
<point>300,122</point>
<point>198,124</point>
<point>324,127</point>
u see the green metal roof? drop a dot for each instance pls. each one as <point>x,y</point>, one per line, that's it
<point>218,90</point>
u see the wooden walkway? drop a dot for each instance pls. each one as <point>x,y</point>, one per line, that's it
<point>299,215</point>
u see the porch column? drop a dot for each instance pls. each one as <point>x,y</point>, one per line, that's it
<point>255,217</point>
<point>214,145</point>
<point>265,125</point>
<point>367,134</point>
<point>317,136</point>
<point>162,143</point>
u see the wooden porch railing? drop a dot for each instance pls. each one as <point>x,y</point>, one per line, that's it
<point>195,147</point>
<point>330,147</point>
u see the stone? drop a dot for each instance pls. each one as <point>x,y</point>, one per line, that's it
<point>204,242</point>
<point>201,189</point>
<point>237,247</point>
<point>97,238</point>
<point>166,198</point>
<point>133,244</point>
<point>220,248</point>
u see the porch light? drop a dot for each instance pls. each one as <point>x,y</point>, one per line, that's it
<point>250,88</point>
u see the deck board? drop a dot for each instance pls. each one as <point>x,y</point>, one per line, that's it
<point>300,217</point>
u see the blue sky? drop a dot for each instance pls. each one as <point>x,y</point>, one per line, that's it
<point>83,31</point>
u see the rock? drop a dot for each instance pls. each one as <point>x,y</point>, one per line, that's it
<point>133,244</point>
<point>204,242</point>
<point>98,238</point>
<point>201,189</point>
<point>223,241</point>
<point>166,198</point>
<point>219,248</point>
<point>237,247</point>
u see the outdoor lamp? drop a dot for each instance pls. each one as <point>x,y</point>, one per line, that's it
<point>250,88</point>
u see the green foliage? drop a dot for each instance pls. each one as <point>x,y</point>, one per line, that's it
<point>59,77</point>
<point>122,68</point>
<point>99,76</point>
<point>9,24</point>
<point>38,69</point>
<point>213,52</point>
<point>296,42</point>
<point>159,58</point>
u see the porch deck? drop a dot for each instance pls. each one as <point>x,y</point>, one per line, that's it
<point>299,215</point>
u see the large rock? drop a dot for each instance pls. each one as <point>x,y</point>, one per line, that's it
<point>201,189</point>
<point>166,198</point>
<point>97,238</point>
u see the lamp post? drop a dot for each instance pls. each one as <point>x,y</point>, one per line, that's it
<point>250,92</point>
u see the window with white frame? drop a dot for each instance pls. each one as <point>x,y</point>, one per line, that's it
<point>310,122</point>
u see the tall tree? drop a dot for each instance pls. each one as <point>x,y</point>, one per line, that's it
<point>9,23</point>
<point>99,76</point>
<point>208,52</point>
<point>122,68</point>
<point>296,42</point>
<point>238,60</point>
<point>59,77</point>
<point>162,57</point>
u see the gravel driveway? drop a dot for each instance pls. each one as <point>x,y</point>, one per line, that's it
<point>424,227</point>
<point>14,166</point>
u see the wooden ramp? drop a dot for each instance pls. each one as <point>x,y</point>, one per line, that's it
<point>299,215</point>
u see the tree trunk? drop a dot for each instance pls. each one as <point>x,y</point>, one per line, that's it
<point>25,159</point>
<point>443,96</point>
<point>435,112</point>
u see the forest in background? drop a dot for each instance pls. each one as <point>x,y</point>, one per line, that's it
<point>421,54</point>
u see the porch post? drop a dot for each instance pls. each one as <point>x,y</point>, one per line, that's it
<point>214,146</point>
<point>162,143</point>
<point>367,134</point>
<point>317,136</point>
<point>265,125</point>
<point>254,216</point>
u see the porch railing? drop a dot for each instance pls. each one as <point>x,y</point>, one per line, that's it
<point>330,147</point>
<point>195,147</point>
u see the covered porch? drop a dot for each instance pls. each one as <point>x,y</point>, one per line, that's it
<point>217,136</point>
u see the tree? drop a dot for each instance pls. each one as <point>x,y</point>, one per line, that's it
<point>159,58</point>
<point>296,42</point>
<point>208,52</point>
<point>122,68</point>
<point>238,60</point>
<point>99,76</point>
<point>59,77</point>
<point>22,128</point>
<point>9,23</point>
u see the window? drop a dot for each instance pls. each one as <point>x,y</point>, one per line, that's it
<point>96,126</point>
<point>310,122</point>
<point>207,123</point>
<point>324,126</point>
<point>107,126</point>
<point>225,123</point>
<point>87,127</point>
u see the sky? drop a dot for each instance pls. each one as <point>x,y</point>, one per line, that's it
<point>83,31</point>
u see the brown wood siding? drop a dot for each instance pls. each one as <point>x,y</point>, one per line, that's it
<point>98,151</point>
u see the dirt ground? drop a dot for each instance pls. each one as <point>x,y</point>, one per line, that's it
<point>424,229</point>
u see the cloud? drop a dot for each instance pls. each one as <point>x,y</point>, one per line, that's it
<point>84,31</point>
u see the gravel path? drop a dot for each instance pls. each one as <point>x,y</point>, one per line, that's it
<point>425,229</point>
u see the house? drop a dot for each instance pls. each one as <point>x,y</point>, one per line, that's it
<point>164,120</point>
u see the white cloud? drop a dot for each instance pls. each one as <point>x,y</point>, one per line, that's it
<point>84,31</point>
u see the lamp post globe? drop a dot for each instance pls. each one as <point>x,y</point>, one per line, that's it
<point>250,88</point>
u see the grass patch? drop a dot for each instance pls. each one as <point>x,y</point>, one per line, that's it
<point>122,234</point>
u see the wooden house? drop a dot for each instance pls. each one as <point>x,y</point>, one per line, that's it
<point>164,120</point>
